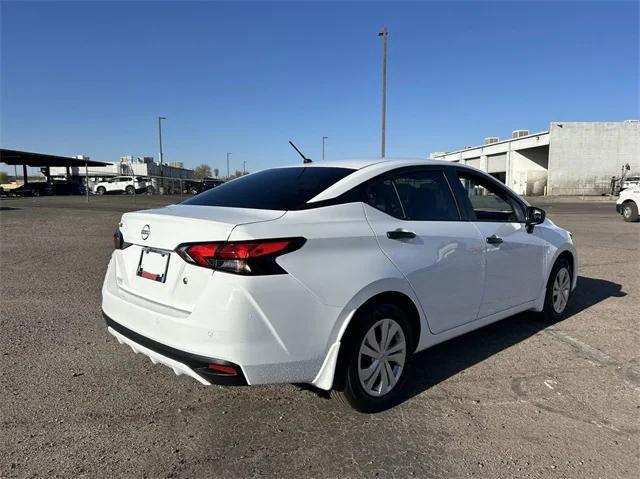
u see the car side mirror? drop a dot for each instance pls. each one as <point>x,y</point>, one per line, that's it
<point>535,216</point>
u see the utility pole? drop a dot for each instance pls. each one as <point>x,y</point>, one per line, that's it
<point>244,167</point>
<point>384,34</point>
<point>228,155</point>
<point>86,180</point>
<point>323,138</point>
<point>160,118</point>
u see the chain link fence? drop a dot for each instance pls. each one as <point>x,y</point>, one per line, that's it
<point>137,189</point>
<point>589,187</point>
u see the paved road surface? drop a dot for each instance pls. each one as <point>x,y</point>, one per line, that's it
<point>516,399</point>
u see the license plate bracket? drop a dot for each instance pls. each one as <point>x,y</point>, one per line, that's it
<point>153,264</point>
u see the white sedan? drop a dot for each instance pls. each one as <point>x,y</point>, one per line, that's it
<point>331,273</point>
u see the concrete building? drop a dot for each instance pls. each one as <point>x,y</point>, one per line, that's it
<point>130,165</point>
<point>571,158</point>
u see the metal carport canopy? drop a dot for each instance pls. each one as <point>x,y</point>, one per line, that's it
<point>15,157</point>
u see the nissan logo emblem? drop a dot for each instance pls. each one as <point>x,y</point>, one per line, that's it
<point>146,231</point>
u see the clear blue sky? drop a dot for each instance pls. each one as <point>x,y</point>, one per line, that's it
<point>91,78</point>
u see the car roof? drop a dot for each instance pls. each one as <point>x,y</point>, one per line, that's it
<point>359,163</point>
<point>365,170</point>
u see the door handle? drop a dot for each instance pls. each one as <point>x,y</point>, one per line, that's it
<point>400,234</point>
<point>493,239</point>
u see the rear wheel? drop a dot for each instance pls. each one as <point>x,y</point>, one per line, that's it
<point>630,211</point>
<point>558,291</point>
<point>101,190</point>
<point>130,190</point>
<point>377,358</point>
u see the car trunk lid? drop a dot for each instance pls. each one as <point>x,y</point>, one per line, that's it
<point>150,270</point>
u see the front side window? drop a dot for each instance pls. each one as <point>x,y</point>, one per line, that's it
<point>414,196</point>
<point>276,189</point>
<point>489,201</point>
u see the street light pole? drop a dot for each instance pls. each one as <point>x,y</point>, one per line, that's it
<point>323,138</point>
<point>228,155</point>
<point>384,34</point>
<point>160,118</point>
<point>244,167</point>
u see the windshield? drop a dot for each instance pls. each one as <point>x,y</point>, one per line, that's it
<point>275,189</point>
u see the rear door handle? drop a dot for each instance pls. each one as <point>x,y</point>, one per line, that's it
<point>493,239</point>
<point>400,234</point>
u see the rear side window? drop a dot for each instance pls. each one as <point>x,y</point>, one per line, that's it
<point>414,196</point>
<point>275,189</point>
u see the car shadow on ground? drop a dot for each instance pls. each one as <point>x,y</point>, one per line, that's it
<point>440,362</point>
<point>444,360</point>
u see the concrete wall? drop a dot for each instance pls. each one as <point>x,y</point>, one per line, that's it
<point>527,173</point>
<point>584,156</point>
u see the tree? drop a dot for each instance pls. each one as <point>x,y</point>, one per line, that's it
<point>202,171</point>
<point>4,178</point>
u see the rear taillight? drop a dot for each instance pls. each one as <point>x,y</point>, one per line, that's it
<point>118,240</point>
<point>255,257</point>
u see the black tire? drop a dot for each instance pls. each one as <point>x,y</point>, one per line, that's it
<point>348,387</point>
<point>101,190</point>
<point>551,313</point>
<point>630,211</point>
<point>130,190</point>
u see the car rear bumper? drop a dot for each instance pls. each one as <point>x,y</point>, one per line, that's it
<point>278,333</point>
<point>182,362</point>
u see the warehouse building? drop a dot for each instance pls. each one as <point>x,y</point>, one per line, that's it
<point>172,174</point>
<point>132,166</point>
<point>571,158</point>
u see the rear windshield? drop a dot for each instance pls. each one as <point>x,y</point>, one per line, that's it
<point>275,189</point>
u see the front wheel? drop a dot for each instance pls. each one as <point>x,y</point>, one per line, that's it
<point>630,212</point>
<point>377,359</point>
<point>558,292</point>
<point>101,190</point>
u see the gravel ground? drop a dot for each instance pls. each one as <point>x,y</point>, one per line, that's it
<point>515,399</point>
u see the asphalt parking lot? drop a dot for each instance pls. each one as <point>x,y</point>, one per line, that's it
<point>515,399</point>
